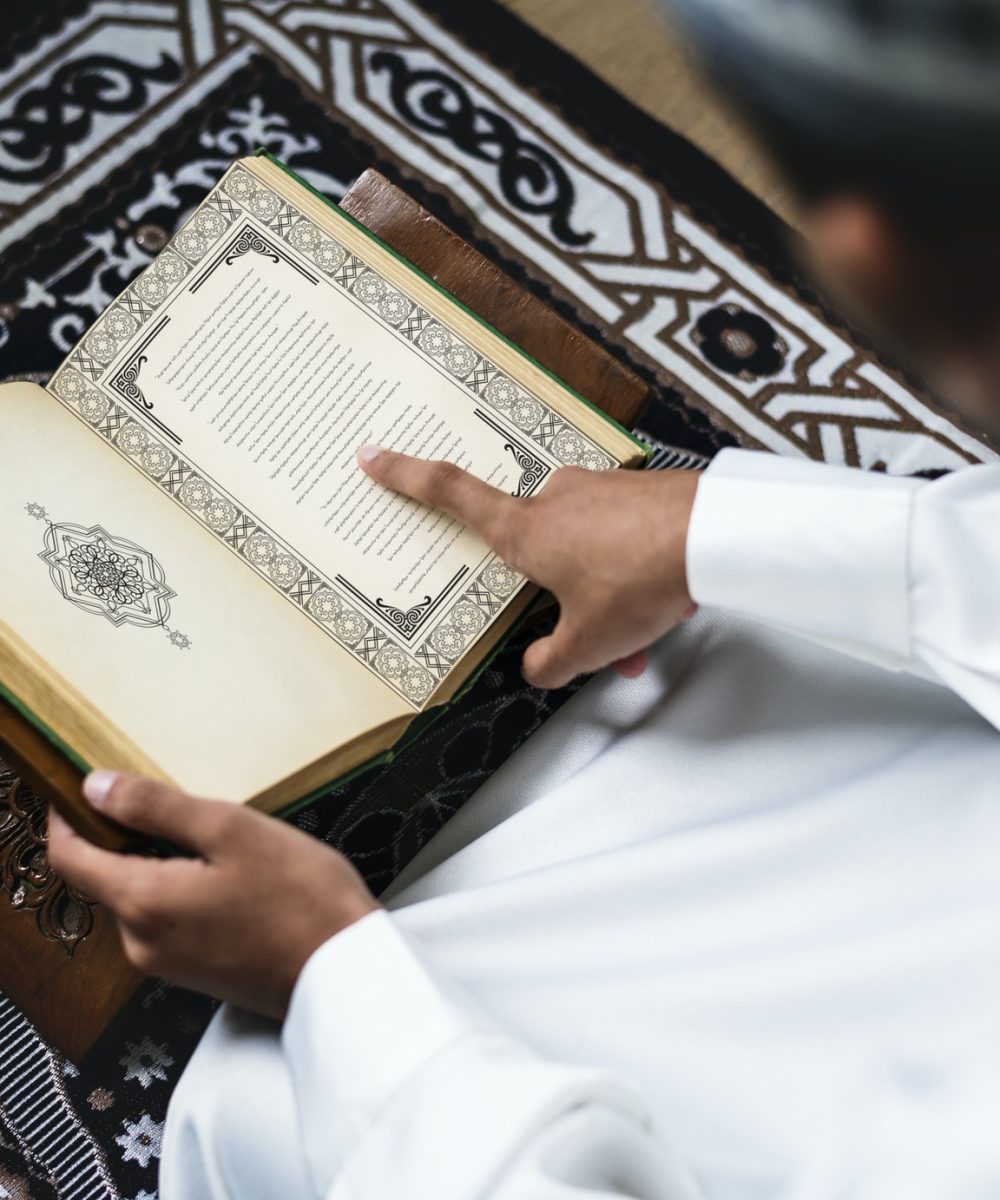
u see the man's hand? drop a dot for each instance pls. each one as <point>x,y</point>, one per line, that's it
<point>240,918</point>
<point>609,545</point>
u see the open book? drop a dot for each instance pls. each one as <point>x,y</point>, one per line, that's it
<point>198,583</point>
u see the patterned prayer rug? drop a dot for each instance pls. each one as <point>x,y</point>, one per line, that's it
<point>115,118</point>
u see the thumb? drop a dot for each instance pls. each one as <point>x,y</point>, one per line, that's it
<point>156,809</point>
<point>551,662</point>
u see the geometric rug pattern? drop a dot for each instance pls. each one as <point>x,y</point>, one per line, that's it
<point>116,118</point>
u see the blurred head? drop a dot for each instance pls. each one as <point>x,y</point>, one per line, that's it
<point>885,114</point>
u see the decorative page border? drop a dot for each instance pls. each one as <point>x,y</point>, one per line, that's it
<point>92,382</point>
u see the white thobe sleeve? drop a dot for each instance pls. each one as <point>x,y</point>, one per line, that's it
<point>404,1089</point>
<point>902,572</point>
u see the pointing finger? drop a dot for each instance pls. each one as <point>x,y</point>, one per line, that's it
<point>441,485</point>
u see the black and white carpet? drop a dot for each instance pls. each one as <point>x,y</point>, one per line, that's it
<point>116,117</point>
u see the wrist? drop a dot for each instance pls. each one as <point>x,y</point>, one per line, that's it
<point>348,913</point>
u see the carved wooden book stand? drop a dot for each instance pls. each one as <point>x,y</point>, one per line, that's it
<point>60,958</point>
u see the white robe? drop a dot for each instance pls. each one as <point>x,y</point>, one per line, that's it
<point>731,930</point>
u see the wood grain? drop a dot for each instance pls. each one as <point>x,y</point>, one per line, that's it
<point>55,779</point>
<point>70,1001</point>
<point>480,285</point>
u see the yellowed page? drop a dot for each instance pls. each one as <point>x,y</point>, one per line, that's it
<point>160,625</point>
<point>245,368</point>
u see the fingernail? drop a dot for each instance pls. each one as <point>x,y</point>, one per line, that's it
<point>368,454</point>
<point>97,785</point>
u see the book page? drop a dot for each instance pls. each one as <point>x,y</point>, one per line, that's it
<point>171,640</point>
<point>242,371</point>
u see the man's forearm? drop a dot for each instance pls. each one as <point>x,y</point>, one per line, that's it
<point>897,570</point>
<point>405,1088</point>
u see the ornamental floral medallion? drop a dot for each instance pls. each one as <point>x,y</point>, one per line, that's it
<point>108,576</point>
